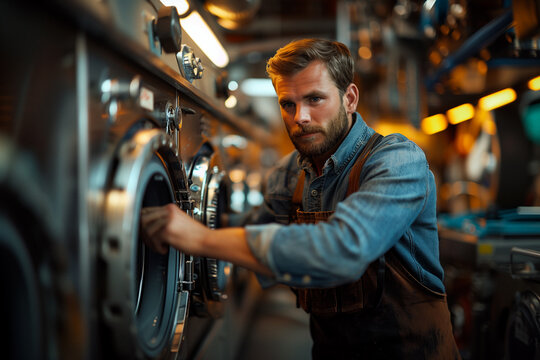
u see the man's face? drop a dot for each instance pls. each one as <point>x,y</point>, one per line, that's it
<point>313,110</point>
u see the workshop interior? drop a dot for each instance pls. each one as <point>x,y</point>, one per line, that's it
<point>109,106</point>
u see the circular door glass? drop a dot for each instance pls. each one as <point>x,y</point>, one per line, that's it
<point>155,274</point>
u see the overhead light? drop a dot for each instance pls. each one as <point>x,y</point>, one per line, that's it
<point>498,99</point>
<point>258,87</point>
<point>460,113</point>
<point>199,31</point>
<point>182,6</point>
<point>204,37</point>
<point>233,85</point>
<point>434,124</point>
<point>231,102</point>
<point>534,84</point>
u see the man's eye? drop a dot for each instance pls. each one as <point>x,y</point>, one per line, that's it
<point>314,99</point>
<point>287,105</point>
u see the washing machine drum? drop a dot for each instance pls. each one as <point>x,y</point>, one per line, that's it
<point>142,299</point>
<point>523,330</point>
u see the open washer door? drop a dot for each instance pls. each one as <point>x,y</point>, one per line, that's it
<point>144,305</point>
<point>210,193</point>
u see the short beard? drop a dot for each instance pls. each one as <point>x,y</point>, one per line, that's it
<point>334,133</point>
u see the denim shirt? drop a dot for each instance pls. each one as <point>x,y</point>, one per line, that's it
<point>395,207</point>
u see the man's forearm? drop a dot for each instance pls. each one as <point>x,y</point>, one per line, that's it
<point>230,244</point>
<point>171,226</point>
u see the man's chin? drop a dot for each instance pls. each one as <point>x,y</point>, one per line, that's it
<point>308,150</point>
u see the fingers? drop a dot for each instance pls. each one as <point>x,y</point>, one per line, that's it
<point>158,245</point>
<point>153,220</point>
<point>154,241</point>
<point>150,214</point>
<point>169,226</point>
<point>152,227</point>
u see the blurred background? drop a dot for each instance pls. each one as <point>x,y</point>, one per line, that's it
<point>107,106</point>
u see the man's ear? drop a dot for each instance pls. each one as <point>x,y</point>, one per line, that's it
<point>350,98</point>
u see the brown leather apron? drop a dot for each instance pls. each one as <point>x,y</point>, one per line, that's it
<point>386,314</point>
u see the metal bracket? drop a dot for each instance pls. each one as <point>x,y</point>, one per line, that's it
<point>188,284</point>
<point>183,200</point>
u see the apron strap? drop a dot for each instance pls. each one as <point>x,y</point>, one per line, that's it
<point>296,203</point>
<point>354,183</point>
<point>298,192</point>
<point>356,171</point>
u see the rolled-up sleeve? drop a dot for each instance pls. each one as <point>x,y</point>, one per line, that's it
<point>259,238</point>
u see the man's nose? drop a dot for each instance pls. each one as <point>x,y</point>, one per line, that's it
<point>302,115</point>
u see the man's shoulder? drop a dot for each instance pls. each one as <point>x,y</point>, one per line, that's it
<point>396,138</point>
<point>396,150</point>
<point>398,141</point>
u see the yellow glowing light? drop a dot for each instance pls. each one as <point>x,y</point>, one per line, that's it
<point>435,57</point>
<point>482,67</point>
<point>231,102</point>
<point>182,6</point>
<point>498,99</point>
<point>460,113</point>
<point>364,52</point>
<point>534,84</point>
<point>389,126</point>
<point>464,143</point>
<point>205,38</point>
<point>237,175</point>
<point>434,124</point>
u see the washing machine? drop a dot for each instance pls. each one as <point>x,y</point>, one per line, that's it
<point>88,137</point>
<point>95,126</point>
<point>39,211</point>
<point>141,298</point>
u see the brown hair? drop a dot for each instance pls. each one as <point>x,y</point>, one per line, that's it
<point>297,55</point>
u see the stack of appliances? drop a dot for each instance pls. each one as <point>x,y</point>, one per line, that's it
<point>100,117</point>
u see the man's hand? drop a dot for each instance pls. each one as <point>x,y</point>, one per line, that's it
<point>168,225</point>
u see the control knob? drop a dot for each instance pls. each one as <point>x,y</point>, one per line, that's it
<point>190,65</point>
<point>168,30</point>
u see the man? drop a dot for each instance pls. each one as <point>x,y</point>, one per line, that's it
<point>351,221</point>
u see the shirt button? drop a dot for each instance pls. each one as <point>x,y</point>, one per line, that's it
<point>287,277</point>
<point>306,279</point>
<point>314,192</point>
